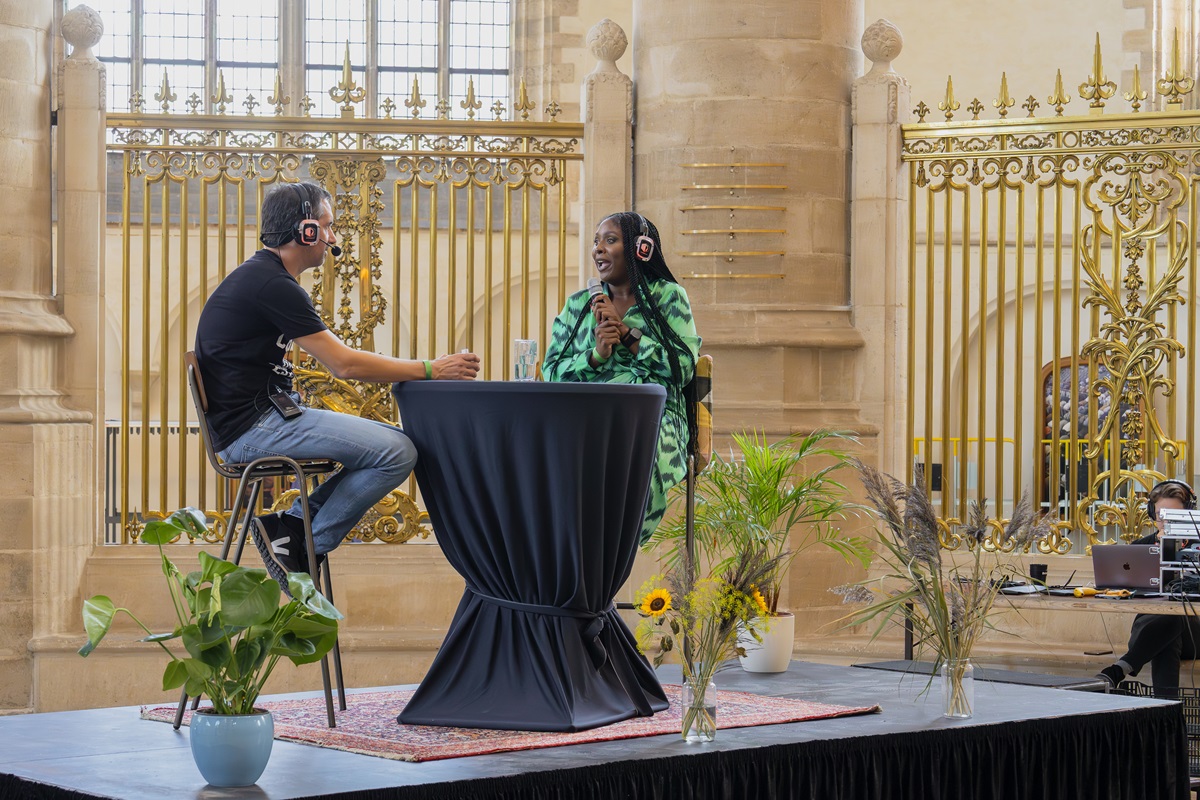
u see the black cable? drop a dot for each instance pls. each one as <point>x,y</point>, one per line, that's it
<point>587,307</point>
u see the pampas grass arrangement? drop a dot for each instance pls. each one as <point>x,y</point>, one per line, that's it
<point>949,605</point>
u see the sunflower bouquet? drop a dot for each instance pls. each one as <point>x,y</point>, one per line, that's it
<point>696,619</point>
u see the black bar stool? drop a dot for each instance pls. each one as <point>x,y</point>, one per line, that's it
<point>250,476</point>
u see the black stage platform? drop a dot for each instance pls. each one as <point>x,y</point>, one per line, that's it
<point>1024,742</point>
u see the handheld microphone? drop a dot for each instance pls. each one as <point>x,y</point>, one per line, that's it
<point>595,289</point>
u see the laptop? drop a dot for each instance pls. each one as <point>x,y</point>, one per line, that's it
<point>1127,566</point>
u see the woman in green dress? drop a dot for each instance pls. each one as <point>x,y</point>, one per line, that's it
<point>639,329</point>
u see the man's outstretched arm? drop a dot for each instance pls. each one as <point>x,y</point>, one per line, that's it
<point>350,364</point>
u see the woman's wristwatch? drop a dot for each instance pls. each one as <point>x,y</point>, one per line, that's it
<point>631,337</point>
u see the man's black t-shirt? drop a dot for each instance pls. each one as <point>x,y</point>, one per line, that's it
<point>243,334</point>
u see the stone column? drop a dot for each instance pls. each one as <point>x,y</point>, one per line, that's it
<point>607,103</point>
<point>879,242</point>
<point>46,495</point>
<point>764,83</point>
<point>761,90</point>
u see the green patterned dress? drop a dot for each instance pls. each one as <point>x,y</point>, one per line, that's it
<point>568,362</point>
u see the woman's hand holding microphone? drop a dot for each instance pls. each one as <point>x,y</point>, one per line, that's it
<point>609,329</point>
<point>608,336</point>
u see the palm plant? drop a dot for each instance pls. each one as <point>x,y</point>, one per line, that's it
<point>761,495</point>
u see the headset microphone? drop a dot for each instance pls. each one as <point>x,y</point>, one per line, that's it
<point>333,248</point>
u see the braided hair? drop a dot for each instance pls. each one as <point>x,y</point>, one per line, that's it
<point>641,273</point>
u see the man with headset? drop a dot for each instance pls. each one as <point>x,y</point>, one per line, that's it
<point>1160,639</point>
<point>242,342</point>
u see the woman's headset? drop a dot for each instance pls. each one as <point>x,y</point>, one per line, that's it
<point>643,246</point>
<point>1189,500</point>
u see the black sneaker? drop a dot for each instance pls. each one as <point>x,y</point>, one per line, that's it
<point>296,526</point>
<point>282,550</point>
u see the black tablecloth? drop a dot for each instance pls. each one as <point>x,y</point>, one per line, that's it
<point>536,492</point>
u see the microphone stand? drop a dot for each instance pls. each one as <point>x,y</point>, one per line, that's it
<point>689,536</point>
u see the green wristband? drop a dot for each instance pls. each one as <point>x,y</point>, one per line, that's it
<point>428,370</point>
<point>596,355</point>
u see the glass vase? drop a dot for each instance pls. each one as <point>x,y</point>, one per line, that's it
<point>958,688</point>
<point>698,702</point>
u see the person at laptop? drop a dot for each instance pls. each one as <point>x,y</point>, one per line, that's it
<point>1159,639</point>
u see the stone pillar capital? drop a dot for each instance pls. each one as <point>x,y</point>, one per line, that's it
<point>82,27</point>
<point>881,44</point>
<point>607,42</point>
<point>886,88</point>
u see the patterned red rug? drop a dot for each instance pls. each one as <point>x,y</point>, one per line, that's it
<point>368,725</point>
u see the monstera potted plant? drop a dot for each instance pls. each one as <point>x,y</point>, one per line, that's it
<point>783,496</point>
<point>233,631</point>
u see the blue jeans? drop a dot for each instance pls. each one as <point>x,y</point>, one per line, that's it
<point>375,459</point>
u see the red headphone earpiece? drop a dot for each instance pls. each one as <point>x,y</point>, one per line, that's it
<point>308,230</point>
<point>644,245</point>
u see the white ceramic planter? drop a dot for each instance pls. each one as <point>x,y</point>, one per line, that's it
<point>774,652</point>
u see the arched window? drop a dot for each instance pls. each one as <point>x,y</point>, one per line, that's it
<point>440,43</point>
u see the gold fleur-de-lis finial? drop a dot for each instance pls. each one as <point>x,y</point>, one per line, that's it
<point>347,92</point>
<point>922,111</point>
<point>277,98</point>
<point>193,103</point>
<point>523,104</point>
<point>1175,84</point>
<point>975,108</point>
<point>498,110</point>
<point>1031,104</point>
<point>165,96</point>
<point>222,98</point>
<point>250,104</point>
<point>442,107</point>
<point>306,105</point>
<point>470,104</point>
<point>1097,88</point>
<point>553,110</point>
<point>1060,97</point>
<point>949,104</point>
<point>388,106</point>
<point>1137,94</point>
<point>137,103</point>
<point>1005,101</point>
<point>415,103</point>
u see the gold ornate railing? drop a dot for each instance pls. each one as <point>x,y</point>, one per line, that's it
<point>454,236</point>
<point>1052,304</point>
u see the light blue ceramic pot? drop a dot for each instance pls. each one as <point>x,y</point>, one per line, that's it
<point>232,750</point>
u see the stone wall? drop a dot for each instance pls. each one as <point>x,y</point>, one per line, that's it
<point>47,495</point>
